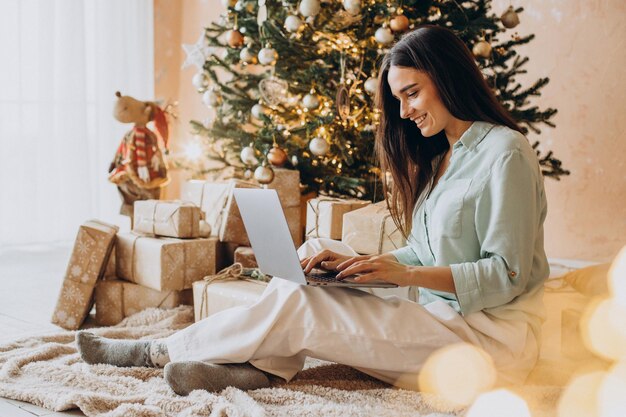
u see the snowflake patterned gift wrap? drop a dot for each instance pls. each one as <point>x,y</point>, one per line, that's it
<point>117,299</point>
<point>324,216</point>
<point>167,218</point>
<point>166,263</point>
<point>211,298</point>
<point>370,230</point>
<point>87,264</point>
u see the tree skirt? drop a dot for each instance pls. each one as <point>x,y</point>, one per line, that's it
<point>47,371</point>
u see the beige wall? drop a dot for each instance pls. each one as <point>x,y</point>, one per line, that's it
<point>579,45</point>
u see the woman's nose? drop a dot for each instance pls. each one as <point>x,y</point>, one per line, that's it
<point>405,110</point>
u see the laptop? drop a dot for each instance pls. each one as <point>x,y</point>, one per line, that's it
<point>273,247</point>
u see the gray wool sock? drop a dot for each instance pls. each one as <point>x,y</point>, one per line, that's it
<point>184,377</point>
<point>95,349</point>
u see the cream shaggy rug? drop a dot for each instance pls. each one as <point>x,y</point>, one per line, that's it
<point>48,372</point>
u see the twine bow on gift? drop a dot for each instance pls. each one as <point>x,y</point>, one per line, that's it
<point>316,211</point>
<point>234,272</point>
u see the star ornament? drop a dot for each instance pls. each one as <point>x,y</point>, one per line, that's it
<point>197,53</point>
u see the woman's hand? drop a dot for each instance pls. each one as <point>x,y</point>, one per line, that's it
<point>384,267</point>
<point>327,260</point>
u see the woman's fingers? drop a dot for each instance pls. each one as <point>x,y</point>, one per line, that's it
<point>317,259</point>
<point>357,268</point>
<point>350,261</point>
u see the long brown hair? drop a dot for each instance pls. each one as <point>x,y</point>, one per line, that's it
<point>401,148</point>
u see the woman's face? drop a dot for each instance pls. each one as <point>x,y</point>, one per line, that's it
<point>419,99</point>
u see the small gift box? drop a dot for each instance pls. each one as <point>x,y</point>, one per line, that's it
<point>166,263</point>
<point>87,264</point>
<point>324,216</point>
<point>210,298</point>
<point>370,230</point>
<point>117,299</point>
<point>167,218</point>
<point>287,184</point>
<point>245,256</point>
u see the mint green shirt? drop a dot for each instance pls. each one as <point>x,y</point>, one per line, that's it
<point>484,219</point>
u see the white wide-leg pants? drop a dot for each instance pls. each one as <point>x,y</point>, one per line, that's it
<point>386,336</point>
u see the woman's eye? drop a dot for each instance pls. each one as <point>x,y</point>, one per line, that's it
<point>412,94</point>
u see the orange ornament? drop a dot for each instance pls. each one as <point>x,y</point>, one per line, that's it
<point>277,156</point>
<point>399,23</point>
<point>235,38</point>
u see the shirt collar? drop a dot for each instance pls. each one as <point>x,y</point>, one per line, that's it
<point>475,134</point>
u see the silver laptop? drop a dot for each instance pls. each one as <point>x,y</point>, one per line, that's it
<point>273,246</point>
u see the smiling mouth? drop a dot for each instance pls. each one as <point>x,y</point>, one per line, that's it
<point>420,119</point>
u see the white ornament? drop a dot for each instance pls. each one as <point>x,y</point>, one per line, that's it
<point>310,101</point>
<point>211,98</point>
<point>200,81</point>
<point>309,7</point>
<point>371,85</point>
<point>268,56</point>
<point>248,156</point>
<point>383,35</point>
<point>352,6</point>
<point>292,23</point>
<point>273,90</point>
<point>247,56</point>
<point>258,110</point>
<point>229,3</point>
<point>318,146</point>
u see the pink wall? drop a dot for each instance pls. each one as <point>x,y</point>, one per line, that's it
<point>579,45</point>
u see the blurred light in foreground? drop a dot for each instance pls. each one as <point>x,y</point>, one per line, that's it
<point>193,150</point>
<point>499,403</point>
<point>617,278</point>
<point>612,392</point>
<point>459,373</point>
<point>580,398</point>
<point>603,328</point>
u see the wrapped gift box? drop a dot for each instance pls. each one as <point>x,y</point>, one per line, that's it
<point>87,264</point>
<point>165,264</point>
<point>211,298</point>
<point>287,184</point>
<point>245,256</point>
<point>324,216</point>
<point>116,299</point>
<point>218,203</point>
<point>167,218</point>
<point>370,230</point>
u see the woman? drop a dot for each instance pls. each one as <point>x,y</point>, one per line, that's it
<point>467,191</point>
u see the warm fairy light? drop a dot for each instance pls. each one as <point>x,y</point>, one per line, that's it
<point>603,328</point>
<point>440,373</point>
<point>612,390</point>
<point>498,403</point>
<point>193,150</point>
<point>580,398</point>
<point>617,277</point>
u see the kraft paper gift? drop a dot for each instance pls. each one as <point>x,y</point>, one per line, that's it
<point>117,299</point>
<point>211,298</point>
<point>166,263</point>
<point>245,256</point>
<point>287,184</point>
<point>167,218</point>
<point>87,264</point>
<point>370,230</point>
<point>324,216</point>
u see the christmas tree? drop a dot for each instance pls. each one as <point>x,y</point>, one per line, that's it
<point>291,83</point>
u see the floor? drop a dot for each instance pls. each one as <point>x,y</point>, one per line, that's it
<point>30,278</point>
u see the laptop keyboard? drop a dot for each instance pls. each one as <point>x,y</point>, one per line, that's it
<point>323,276</point>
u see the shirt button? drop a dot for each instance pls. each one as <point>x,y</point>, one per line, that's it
<point>512,274</point>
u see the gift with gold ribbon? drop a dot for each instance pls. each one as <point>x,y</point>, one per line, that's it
<point>117,299</point>
<point>370,230</point>
<point>87,265</point>
<point>324,216</point>
<point>166,263</point>
<point>167,218</point>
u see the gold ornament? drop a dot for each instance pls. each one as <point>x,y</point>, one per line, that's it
<point>509,19</point>
<point>399,23</point>
<point>264,174</point>
<point>235,38</point>
<point>482,49</point>
<point>277,156</point>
